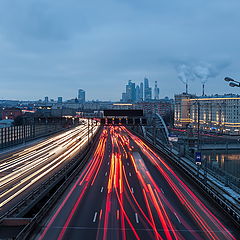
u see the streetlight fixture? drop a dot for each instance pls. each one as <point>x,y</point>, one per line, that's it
<point>232,82</point>
<point>228,79</point>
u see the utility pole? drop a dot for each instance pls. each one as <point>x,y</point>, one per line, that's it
<point>224,166</point>
<point>198,125</point>
<point>198,133</point>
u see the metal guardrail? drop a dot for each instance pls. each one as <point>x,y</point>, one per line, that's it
<point>191,172</point>
<point>36,137</point>
<point>29,228</point>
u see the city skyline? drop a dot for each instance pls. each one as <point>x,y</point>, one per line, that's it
<point>50,48</point>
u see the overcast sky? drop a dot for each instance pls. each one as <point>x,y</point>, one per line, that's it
<point>53,47</point>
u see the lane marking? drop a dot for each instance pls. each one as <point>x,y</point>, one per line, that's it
<point>162,191</point>
<point>117,214</point>
<point>130,174</point>
<point>136,216</point>
<point>102,189</point>
<point>106,174</point>
<point>177,217</point>
<point>95,217</point>
<point>108,163</point>
<point>100,215</point>
<point>132,190</point>
<point>128,163</point>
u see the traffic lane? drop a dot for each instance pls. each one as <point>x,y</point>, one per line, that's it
<point>146,226</point>
<point>131,204</point>
<point>30,188</point>
<point>170,201</point>
<point>170,214</point>
<point>141,216</point>
<point>133,201</point>
<point>181,219</point>
<point>68,206</point>
<point>89,213</point>
<point>155,211</point>
<point>83,223</point>
<point>30,156</point>
<point>190,202</point>
<point>19,184</point>
<point>27,182</point>
<point>39,146</point>
<point>135,204</point>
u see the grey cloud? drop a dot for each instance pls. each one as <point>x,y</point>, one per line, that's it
<point>94,44</point>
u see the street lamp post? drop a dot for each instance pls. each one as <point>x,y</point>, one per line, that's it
<point>198,143</point>
<point>197,102</point>
<point>198,125</point>
<point>232,83</point>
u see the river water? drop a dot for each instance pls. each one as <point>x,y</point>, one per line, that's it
<point>227,160</point>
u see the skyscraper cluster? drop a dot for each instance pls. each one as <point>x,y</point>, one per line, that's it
<point>139,93</point>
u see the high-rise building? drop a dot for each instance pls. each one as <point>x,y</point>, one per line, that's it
<point>124,97</point>
<point>141,92</point>
<point>138,94</point>
<point>130,92</point>
<point>156,91</point>
<point>60,99</point>
<point>134,93</point>
<point>46,100</point>
<point>147,90</point>
<point>81,95</point>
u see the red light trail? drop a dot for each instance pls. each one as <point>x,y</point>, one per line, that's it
<point>133,204</point>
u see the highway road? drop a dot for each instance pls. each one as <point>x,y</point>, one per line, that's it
<point>23,170</point>
<point>126,191</point>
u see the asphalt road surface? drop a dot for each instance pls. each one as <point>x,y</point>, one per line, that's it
<point>126,191</point>
<point>23,170</point>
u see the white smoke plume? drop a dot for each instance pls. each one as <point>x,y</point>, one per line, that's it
<point>184,73</point>
<point>204,71</point>
<point>198,71</point>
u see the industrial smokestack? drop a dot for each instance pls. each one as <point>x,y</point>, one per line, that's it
<point>184,75</point>
<point>203,89</point>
